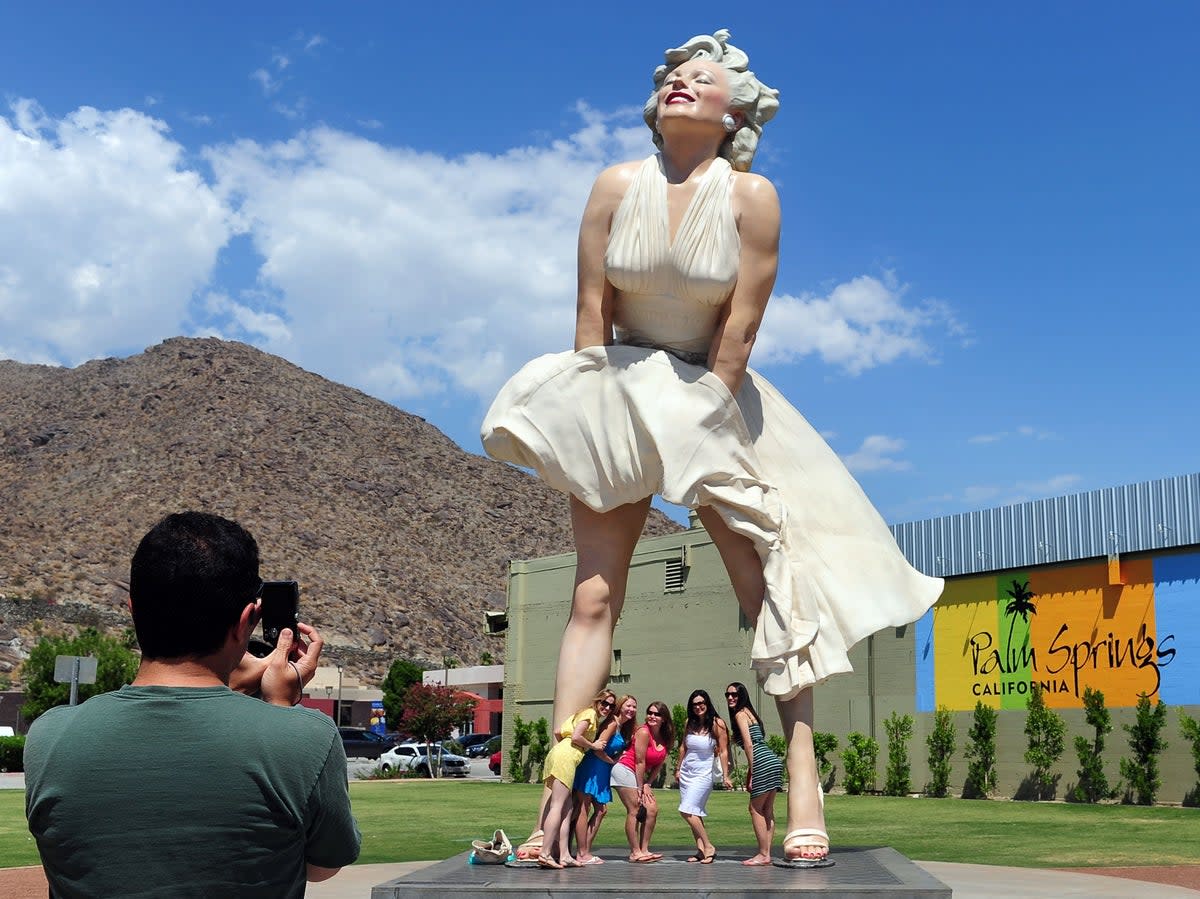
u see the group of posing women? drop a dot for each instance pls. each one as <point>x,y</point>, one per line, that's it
<point>602,748</point>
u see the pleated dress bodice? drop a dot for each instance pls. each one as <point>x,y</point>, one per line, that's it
<point>670,289</point>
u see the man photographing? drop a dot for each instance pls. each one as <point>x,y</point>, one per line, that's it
<point>180,783</point>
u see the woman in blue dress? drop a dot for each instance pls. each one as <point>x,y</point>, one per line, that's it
<point>593,791</point>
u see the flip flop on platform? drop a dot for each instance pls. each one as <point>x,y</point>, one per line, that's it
<point>708,859</point>
<point>545,861</point>
<point>592,860</point>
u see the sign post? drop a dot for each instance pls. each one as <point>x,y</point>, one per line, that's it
<point>74,670</point>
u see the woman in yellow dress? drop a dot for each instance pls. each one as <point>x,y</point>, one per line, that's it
<point>589,728</point>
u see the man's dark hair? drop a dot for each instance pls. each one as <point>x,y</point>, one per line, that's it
<point>190,579</point>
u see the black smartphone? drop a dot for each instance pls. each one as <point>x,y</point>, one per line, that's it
<point>280,609</point>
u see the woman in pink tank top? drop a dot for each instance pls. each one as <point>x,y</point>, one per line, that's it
<point>632,775</point>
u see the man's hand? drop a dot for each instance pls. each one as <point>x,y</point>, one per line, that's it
<point>281,676</point>
<point>291,665</point>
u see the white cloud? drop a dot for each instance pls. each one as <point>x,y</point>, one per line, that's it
<point>1028,432</point>
<point>405,273</point>
<point>876,454</point>
<point>106,235</point>
<point>411,272</point>
<point>269,84</point>
<point>860,324</point>
<point>981,496</point>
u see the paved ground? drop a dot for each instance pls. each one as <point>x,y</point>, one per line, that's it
<point>967,881</point>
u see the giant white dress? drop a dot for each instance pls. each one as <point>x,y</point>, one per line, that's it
<point>614,424</point>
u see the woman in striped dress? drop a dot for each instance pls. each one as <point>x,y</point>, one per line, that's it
<point>764,772</point>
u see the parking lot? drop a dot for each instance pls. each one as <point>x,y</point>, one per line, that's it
<point>362,768</point>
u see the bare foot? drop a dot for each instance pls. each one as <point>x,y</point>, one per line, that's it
<point>758,860</point>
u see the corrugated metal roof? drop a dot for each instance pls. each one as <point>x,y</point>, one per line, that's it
<point>1136,517</point>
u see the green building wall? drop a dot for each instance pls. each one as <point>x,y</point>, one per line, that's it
<point>671,641</point>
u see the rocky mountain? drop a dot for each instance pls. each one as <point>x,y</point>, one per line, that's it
<point>400,540</point>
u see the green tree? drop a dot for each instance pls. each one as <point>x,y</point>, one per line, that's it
<point>1093,784</point>
<point>898,778</point>
<point>679,719</point>
<point>431,711</point>
<point>539,745</point>
<point>981,753</point>
<point>1146,743</point>
<point>1190,728</point>
<point>1047,739</point>
<point>116,665</point>
<point>518,770</point>
<point>941,743</point>
<point>401,675</point>
<point>824,744</point>
<point>859,760</point>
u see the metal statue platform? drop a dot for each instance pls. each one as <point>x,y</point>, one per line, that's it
<point>860,871</point>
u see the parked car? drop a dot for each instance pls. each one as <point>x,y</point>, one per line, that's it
<point>494,763</point>
<point>361,743</point>
<point>416,757</point>
<point>472,744</point>
<point>485,750</point>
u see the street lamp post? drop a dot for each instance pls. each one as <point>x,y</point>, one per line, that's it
<point>329,697</point>
<point>338,707</point>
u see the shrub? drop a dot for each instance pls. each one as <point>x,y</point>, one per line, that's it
<point>1146,743</point>
<point>859,760</point>
<point>941,750</point>
<point>12,753</point>
<point>1093,784</point>
<point>518,770</point>
<point>1190,728</point>
<point>116,665</point>
<point>778,745</point>
<point>823,745</point>
<point>679,719</point>
<point>539,746</point>
<point>1047,739</point>
<point>981,753</point>
<point>899,770</point>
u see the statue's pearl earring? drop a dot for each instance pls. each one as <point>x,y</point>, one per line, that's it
<point>729,123</point>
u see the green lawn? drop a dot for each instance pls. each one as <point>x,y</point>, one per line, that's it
<point>421,820</point>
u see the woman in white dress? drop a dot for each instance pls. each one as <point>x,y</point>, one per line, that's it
<point>677,259</point>
<point>704,736</point>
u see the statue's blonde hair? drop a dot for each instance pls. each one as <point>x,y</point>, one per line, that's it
<point>754,100</point>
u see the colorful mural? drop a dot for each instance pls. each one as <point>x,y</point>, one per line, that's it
<point>1124,627</point>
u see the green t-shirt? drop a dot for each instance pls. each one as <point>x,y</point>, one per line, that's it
<point>186,791</point>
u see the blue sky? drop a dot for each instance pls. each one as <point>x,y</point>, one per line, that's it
<point>991,244</point>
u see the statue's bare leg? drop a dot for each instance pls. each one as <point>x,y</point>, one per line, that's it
<point>805,807</point>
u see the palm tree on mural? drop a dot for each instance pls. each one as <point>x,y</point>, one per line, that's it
<point>1020,604</point>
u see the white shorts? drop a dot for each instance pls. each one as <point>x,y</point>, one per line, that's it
<point>623,776</point>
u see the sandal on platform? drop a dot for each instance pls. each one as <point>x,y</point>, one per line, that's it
<point>532,847</point>
<point>800,837</point>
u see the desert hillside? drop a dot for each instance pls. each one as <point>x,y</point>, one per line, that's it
<point>400,539</point>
